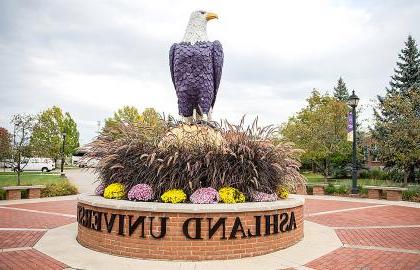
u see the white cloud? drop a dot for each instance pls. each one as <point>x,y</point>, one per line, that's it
<point>91,57</point>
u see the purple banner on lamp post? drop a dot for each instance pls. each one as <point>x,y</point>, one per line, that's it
<point>350,127</point>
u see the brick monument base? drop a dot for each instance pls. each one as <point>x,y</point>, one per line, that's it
<point>190,232</point>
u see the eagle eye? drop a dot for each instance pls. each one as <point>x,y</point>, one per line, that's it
<point>202,12</point>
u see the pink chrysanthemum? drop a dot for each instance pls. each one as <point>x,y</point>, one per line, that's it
<point>140,192</point>
<point>99,191</point>
<point>258,196</point>
<point>205,195</point>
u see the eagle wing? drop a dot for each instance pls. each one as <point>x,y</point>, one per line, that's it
<point>171,61</point>
<point>217,67</point>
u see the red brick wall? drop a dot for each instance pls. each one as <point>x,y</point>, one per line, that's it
<point>318,190</point>
<point>175,245</point>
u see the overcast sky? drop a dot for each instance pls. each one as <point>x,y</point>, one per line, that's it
<point>92,57</point>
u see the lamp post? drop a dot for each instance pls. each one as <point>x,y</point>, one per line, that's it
<point>352,102</point>
<point>62,154</point>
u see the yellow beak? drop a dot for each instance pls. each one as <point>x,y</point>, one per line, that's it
<point>211,16</point>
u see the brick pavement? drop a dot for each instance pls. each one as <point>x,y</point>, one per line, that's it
<point>378,216</point>
<point>316,206</point>
<point>362,259</point>
<point>401,244</point>
<point>11,218</point>
<point>28,259</point>
<point>16,239</point>
<point>62,207</point>
<point>405,238</point>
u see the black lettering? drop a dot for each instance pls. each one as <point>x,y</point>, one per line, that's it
<point>80,214</point>
<point>162,227</point>
<point>97,223</point>
<point>197,228</point>
<point>268,224</point>
<point>213,230</point>
<point>109,223</point>
<point>87,222</point>
<point>257,227</point>
<point>292,222</point>
<point>133,227</point>
<point>237,226</point>
<point>284,217</point>
<point>121,219</point>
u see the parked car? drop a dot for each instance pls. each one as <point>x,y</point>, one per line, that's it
<point>87,163</point>
<point>36,164</point>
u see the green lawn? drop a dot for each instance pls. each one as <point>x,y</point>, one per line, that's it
<point>56,185</point>
<point>318,178</point>
<point>29,178</point>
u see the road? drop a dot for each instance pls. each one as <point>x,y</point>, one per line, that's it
<point>84,179</point>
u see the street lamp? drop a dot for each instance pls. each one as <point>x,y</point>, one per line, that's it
<point>62,153</point>
<point>352,102</point>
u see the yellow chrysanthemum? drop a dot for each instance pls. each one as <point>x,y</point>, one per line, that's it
<point>174,196</point>
<point>282,192</point>
<point>115,191</point>
<point>231,195</point>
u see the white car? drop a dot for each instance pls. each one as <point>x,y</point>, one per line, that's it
<point>36,164</point>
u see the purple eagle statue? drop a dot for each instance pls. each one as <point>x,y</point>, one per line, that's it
<point>196,68</point>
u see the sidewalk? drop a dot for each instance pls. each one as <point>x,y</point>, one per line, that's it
<point>340,233</point>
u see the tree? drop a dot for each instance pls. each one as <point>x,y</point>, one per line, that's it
<point>149,122</point>
<point>47,137</point>
<point>407,72</point>
<point>397,114</point>
<point>340,91</point>
<point>5,145</point>
<point>320,130</point>
<point>23,127</point>
<point>127,114</point>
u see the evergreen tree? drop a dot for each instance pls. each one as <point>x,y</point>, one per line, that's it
<point>340,91</point>
<point>397,114</point>
<point>407,72</point>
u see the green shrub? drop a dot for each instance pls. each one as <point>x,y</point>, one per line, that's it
<point>412,194</point>
<point>342,189</point>
<point>61,188</point>
<point>363,190</point>
<point>330,189</point>
<point>309,190</point>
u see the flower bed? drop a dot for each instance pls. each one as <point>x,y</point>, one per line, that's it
<point>153,230</point>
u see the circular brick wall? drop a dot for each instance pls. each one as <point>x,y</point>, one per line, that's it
<point>188,231</point>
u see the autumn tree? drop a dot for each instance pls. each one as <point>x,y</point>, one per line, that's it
<point>5,145</point>
<point>149,121</point>
<point>23,127</point>
<point>47,137</point>
<point>397,114</point>
<point>320,130</point>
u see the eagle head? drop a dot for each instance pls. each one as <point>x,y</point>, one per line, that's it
<point>197,26</point>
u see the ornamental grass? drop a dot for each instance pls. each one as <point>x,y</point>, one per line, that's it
<point>248,158</point>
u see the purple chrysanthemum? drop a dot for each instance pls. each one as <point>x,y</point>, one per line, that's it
<point>205,195</point>
<point>99,191</point>
<point>258,196</point>
<point>140,192</point>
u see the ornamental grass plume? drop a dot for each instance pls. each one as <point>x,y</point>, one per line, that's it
<point>174,196</point>
<point>231,195</point>
<point>115,191</point>
<point>99,191</point>
<point>249,159</point>
<point>141,192</point>
<point>205,195</point>
<point>258,196</point>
